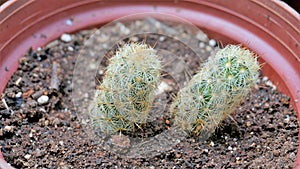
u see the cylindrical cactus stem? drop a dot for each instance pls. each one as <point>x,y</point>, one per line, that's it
<point>216,90</point>
<point>127,91</point>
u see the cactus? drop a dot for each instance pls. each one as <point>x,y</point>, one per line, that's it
<point>216,90</point>
<point>127,91</point>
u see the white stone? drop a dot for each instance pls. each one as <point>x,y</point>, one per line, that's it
<point>134,39</point>
<point>100,72</point>
<point>229,148</point>
<point>201,36</point>
<point>43,99</point>
<point>201,45</point>
<point>8,128</point>
<point>66,37</point>
<point>27,156</point>
<point>19,94</point>
<point>163,87</point>
<point>265,78</point>
<point>162,38</point>
<point>69,22</point>
<point>212,42</point>
<point>70,48</point>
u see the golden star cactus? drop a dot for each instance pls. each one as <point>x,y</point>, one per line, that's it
<point>127,91</point>
<point>216,90</point>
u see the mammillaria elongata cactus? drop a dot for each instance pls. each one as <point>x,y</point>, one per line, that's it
<point>216,90</point>
<point>127,91</point>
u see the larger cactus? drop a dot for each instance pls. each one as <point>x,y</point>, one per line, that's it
<point>127,91</point>
<point>215,92</point>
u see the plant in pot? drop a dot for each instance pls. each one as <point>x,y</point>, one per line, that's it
<point>271,31</point>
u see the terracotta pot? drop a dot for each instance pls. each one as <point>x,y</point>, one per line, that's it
<point>269,27</point>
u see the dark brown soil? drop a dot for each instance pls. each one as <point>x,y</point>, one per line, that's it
<point>261,133</point>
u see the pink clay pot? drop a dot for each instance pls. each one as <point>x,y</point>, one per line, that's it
<point>268,27</point>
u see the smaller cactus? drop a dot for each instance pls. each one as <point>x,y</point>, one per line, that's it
<point>215,92</point>
<point>127,91</point>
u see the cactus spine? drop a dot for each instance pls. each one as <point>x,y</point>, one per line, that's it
<point>127,91</point>
<point>216,90</point>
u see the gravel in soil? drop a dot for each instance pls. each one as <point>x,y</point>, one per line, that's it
<point>42,129</point>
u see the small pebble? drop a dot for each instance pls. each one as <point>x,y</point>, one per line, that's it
<point>265,78</point>
<point>163,87</point>
<point>46,123</point>
<point>212,144</point>
<point>77,126</point>
<point>69,22</point>
<point>276,153</point>
<point>248,124</point>
<point>208,48</point>
<point>201,36</point>
<point>8,128</point>
<point>177,155</point>
<point>229,148</point>
<point>100,72</point>
<point>212,43</point>
<point>167,122</point>
<point>11,95</point>
<point>26,164</point>
<point>37,94</point>
<point>19,94</point>
<point>201,45</point>
<point>66,37</point>
<point>70,48</point>
<point>43,99</point>
<point>162,38</point>
<point>134,39</point>
<point>27,156</point>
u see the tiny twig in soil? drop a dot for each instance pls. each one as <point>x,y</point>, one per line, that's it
<point>187,75</point>
<point>6,106</point>
<point>18,81</point>
<point>54,79</point>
